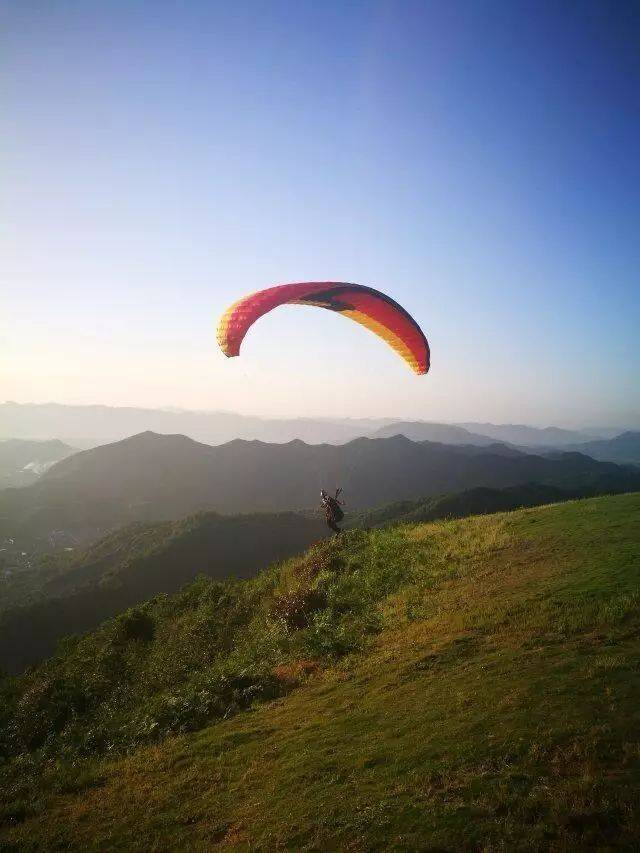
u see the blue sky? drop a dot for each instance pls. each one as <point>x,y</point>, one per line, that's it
<point>476,160</point>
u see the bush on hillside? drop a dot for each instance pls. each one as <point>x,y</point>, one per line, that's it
<point>135,624</point>
<point>295,608</point>
<point>193,705</point>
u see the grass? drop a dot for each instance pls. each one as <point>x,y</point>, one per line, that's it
<point>474,686</point>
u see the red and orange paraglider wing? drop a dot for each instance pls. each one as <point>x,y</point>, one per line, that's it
<point>366,306</point>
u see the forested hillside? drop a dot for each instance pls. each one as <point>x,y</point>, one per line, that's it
<point>139,562</point>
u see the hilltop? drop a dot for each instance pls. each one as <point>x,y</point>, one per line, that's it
<point>455,685</point>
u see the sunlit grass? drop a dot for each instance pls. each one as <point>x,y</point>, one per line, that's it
<point>474,686</point>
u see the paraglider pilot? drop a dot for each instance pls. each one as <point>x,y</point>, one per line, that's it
<point>332,509</point>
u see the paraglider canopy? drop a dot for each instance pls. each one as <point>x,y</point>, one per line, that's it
<point>372,309</point>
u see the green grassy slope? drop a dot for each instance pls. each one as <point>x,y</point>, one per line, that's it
<point>465,684</point>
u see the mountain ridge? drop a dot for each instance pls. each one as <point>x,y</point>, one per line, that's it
<point>425,431</point>
<point>623,449</point>
<point>92,425</point>
<point>153,477</point>
<point>528,436</point>
<point>99,424</point>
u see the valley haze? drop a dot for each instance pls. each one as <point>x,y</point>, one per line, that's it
<point>86,426</point>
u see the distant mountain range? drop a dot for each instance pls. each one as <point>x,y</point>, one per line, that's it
<point>424,431</point>
<point>22,462</point>
<point>527,436</point>
<point>151,477</point>
<point>89,426</point>
<point>624,449</point>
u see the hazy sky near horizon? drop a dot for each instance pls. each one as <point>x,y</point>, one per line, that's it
<point>478,161</point>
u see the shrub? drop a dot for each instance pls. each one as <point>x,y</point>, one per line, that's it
<point>329,636</point>
<point>296,607</point>
<point>293,673</point>
<point>135,624</point>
